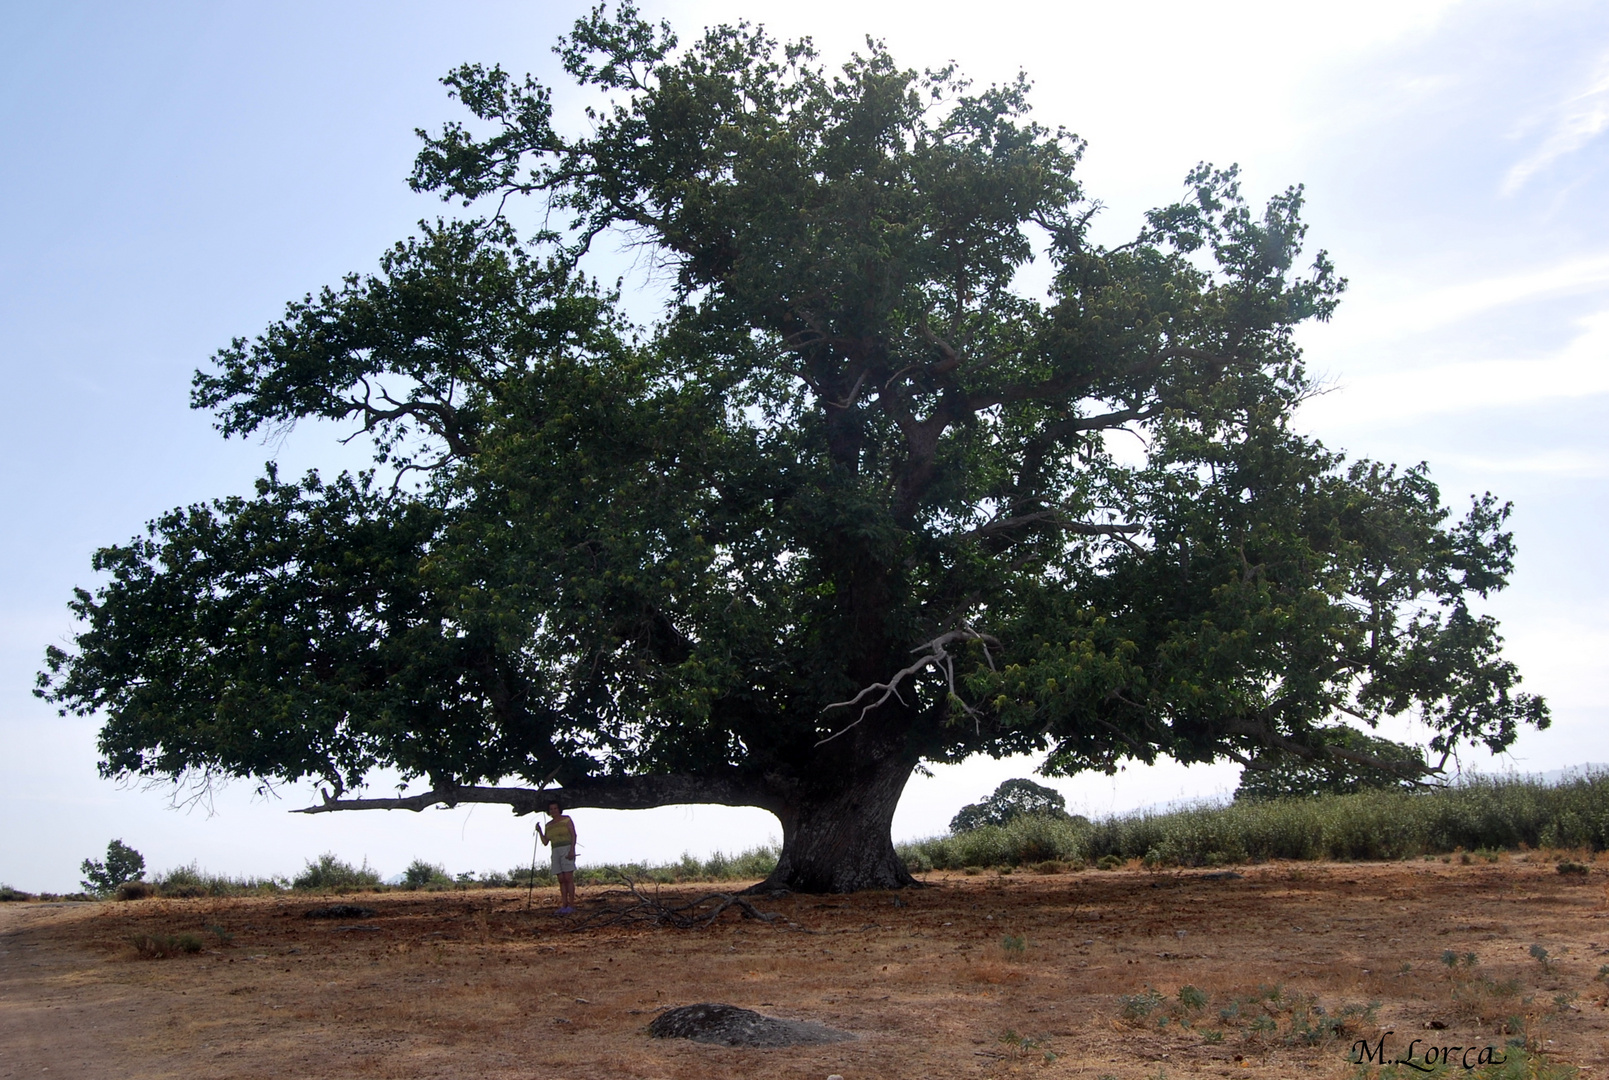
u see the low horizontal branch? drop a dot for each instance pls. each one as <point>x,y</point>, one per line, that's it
<point>606,793</point>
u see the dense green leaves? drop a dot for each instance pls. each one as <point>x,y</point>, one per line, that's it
<point>1011,800</point>
<point>854,500</point>
<point>122,864</point>
<point>1273,775</point>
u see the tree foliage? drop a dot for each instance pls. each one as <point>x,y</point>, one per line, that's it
<point>1378,764</point>
<point>123,864</point>
<point>854,500</point>
<point>1011,800</point>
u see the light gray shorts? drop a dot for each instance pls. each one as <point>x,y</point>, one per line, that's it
<point>564,858</point>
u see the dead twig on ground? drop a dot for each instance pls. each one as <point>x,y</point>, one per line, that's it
<point>689,916</point>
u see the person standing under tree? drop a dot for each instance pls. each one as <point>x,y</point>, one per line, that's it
<point>561,834</point>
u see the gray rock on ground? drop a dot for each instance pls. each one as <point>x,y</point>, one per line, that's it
<point>728,1025</point>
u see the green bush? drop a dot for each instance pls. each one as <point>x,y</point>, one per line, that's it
<point>423,875</point>
<point>1031,838</point>
<point>8,893</point>
<point>190,881</point>
<point>1482,814</point>
<point>754,864</point>
<point>333,874</point>
<point>523,877</point>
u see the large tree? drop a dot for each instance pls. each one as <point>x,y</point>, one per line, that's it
<point>853,502</point>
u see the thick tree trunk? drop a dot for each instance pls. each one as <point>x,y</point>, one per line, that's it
<point>841,839</point>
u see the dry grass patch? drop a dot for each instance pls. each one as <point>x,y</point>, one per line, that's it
<point>1126,973</point>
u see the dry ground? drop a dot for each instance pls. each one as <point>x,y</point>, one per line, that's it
<point>468,984</point>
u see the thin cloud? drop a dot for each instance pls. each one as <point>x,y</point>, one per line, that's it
<point>1579,369</point>
<point>1452,303</point>
<point>1390,311</point>
<point>1582,118</point>
<point>1566,463</point>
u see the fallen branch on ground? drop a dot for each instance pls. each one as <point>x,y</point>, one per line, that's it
<point>688,916</point>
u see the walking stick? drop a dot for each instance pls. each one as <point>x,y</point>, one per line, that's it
<point>536,838</point>
<point>531,886</point>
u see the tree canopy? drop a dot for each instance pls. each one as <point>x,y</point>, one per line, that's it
<point>854,500</point>
<point>1012,799</point>
<point>1379,764</point>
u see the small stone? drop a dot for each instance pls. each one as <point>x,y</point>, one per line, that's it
<point>834,1076</point>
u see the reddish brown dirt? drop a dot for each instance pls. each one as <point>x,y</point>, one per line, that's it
<point>466,984</point>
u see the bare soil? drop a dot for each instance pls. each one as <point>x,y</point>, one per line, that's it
<point>984,976</point>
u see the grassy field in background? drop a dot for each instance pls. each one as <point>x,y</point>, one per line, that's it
<point>1478,818</point>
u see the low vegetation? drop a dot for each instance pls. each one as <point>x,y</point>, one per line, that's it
<point>1478,819</point>
<point>331,874</point>
<point>1483,816</point>
<point>164,946</point>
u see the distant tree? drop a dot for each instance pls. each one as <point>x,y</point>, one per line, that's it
<point>856,500</point>
<point>1348,761</point>
<point>1012,799</point>
<point>122,864</point>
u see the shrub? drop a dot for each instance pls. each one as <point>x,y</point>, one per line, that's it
<point>122,864</point>
<point>331,873</point>
<point>135,890</point>
<point>523,877</point>
<point>164,946</point>
<point>8,893</point>
<point>1481,816</point>
<point>423,875</point>
<point>1030,838</point>
<point>191,881</point>
<point>180,882</point>
<point>754,864</point>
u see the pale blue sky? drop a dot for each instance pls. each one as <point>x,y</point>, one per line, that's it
<point>173,173</point>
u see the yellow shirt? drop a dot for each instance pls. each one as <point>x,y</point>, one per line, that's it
<point>561,830</point>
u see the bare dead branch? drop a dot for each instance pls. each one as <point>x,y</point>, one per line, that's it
<point>938,655</point>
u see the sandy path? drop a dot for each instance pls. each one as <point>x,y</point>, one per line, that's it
<point>61,1010</point>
